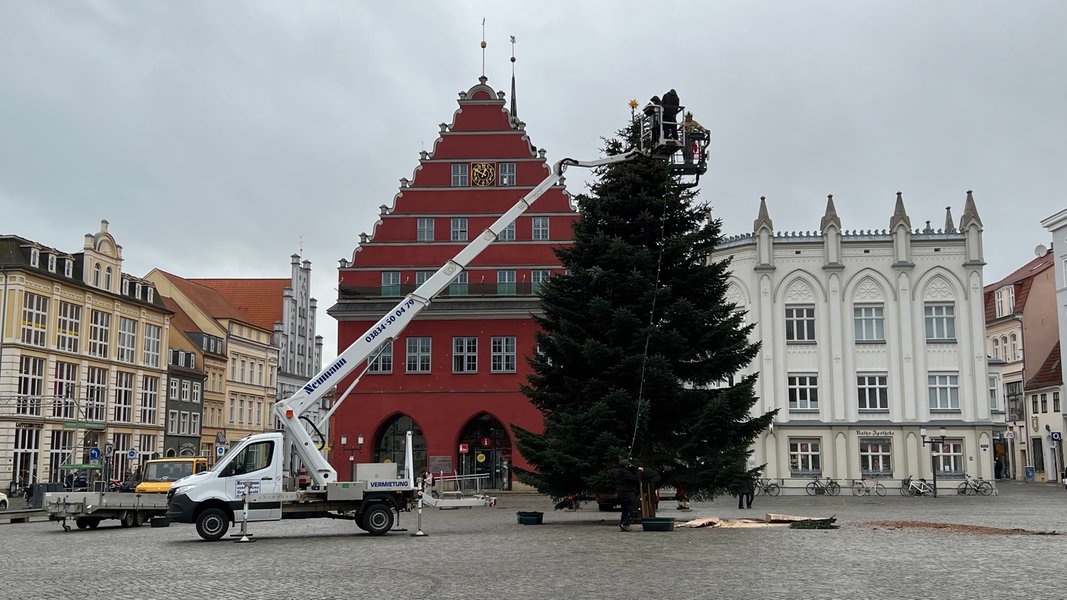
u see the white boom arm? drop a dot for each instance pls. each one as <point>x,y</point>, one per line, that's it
<point>389,327</point>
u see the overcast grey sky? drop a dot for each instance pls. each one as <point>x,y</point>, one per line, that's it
<point>217,137</point>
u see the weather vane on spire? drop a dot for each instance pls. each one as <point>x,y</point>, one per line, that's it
<point>483,46</point>
<point>514,104</point>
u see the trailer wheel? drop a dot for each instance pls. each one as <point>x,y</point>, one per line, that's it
<point>378,519</point>
<point>128,519</point>
<point>93,522</point>
<point>81,522</point>
<point>139,519</point>
<point>212,524</point>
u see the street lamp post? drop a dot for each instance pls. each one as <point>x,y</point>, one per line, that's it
<point>933,441</point>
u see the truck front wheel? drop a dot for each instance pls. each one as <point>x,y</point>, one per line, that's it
<point>378,519</point>
<point>212,524</point>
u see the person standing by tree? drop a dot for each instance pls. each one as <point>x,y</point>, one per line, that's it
<point>627,482</point>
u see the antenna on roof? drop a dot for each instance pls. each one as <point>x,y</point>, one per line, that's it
<point>483,46</point>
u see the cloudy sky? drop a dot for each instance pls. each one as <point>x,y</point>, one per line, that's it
<point>219,137</point>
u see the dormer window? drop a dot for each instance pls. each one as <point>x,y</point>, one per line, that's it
<point>35,257</point>
<point>51,263</point>
<point>107,279</point>
<point>150,294</point>
<point>96,275</point>
<point>125,286</point>
<point>137,291</point>
<point>68,267</point>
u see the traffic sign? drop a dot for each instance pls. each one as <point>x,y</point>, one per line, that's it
<point>220,450</point>
<point>486,442</point>
<point>1057,436</point>
<point>94,453</point>
<point>463,448</point>
<point>132,453</point>
<point>481,457</point>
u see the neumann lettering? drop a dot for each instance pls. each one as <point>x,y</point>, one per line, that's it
<point>321,379</point>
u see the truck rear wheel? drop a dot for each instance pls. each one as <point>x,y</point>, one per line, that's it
<point>378,519</point>
<point>212,524</point>
<point>129,519</point>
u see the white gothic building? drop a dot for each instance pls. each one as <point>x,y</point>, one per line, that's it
<point>869,338</point>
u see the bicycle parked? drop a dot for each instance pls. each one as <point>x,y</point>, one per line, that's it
<point>765,486</point>
<point>830,487</point>
<point>910,487</point>
<point>860,488</point>
<point>971,485</point>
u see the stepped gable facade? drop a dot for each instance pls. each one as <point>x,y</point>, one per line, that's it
<point>454,375</point>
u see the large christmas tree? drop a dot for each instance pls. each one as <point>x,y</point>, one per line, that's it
<point>638,347</point>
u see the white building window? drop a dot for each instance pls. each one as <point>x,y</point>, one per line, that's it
<point>418,355</point>
<point>803,392</point>
<point>940,322</point>
<point>383,362</point>
<point>35,257</point>
<point>459,229</point>
<point>390,283</point>
<point>460,174</point>
<point>873,392</point>
<point>124,397</point>
<point>799,324</point>
<point>508,233</point>
<point>505,282</point>
<point>424,229</point>
<point>99,332</point>
<point>34,319</point>
<point>875,457</point>
<point>458,287</point>
<point>944,391</point>
<point>1016,354</point>
<point>51,263</point>
<point>464,355</point>
<point>539,228</point>
<point>537,278</point>
<point>948,460</point>
<point>804,457</point>
<point>149,400</point>
<point>422,276</point>
<point>502,354</point>
<point>869,323</point>
<point>152,336</point>
<point>127,340</point>
<point>68,267</point>
<point>31,386</point>
<point>507,173</point>
<point>994,396</point>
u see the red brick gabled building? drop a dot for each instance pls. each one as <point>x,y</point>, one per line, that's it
<point>453,376</point>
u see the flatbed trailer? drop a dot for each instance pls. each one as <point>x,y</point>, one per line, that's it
<point>88,509</point>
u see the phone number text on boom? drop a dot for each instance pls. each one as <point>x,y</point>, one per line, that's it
<point>381,327</point>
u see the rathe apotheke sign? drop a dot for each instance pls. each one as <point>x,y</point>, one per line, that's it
<point>875,433</point>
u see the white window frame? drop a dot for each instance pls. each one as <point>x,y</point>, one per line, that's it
<point>800,324</point>
<point>149,399</point>
<point>419,354</point>
<point>949,454</point>
<point>153,335</point>
<point>872,392</point>
<point>68,327</point>
<point>805,457</point>
<point>458,232</point>
<point>539,229</point>
<point>460,174</point>
<point>424,229</point>
<point>99,333</point>
<point>383,362</point>
<point>943,390</point>
<point>803,391</point>
<point>464,354</point>
<point>506,172</point>
<point>869,321</point>
<point>508,233</point>
<point>505,282</point>
<point>126,346</point>
<point>458,287</point>
<point>876,457</point>
<point>502,354</point>
<point>537,278</point>
<point>34,319</point>
<point>940,322</point>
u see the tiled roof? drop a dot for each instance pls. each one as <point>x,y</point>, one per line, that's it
<point>180,320</point>
<point>259,299</point>
<point>207,299</point>
<point>1022,278</point>
<point>1049,374</point>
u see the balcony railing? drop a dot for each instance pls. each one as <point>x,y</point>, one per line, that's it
<point>456,290</point>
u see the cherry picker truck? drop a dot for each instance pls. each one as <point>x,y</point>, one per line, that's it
<point>255,480</point>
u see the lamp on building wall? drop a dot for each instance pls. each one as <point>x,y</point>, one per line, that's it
<point>933,441</point>
<point>352,449</point>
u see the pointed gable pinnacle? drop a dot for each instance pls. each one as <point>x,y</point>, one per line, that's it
<point>970,213</point>
<point>900,217</point>
<point>830,218</point>
<point>950,227</point>
<point>762,219</point>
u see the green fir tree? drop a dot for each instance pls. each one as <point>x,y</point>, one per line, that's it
<point>628,369</point>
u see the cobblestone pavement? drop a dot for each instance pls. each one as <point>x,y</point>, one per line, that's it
<point>485,553</point>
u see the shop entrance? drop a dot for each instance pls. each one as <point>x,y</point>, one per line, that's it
<point>391,442</point>
<point>488,453</point>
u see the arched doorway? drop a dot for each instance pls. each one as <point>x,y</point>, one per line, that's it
<point>390,445</point>
<point>488,451</point>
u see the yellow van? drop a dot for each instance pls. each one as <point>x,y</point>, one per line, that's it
<point>159,473</point>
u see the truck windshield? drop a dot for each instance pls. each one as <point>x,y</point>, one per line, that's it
<point>169,471</point>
